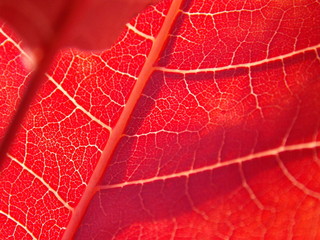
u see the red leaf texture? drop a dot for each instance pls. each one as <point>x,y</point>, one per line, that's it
<point>201,122</point>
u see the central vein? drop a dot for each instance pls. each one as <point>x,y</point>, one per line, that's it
<point>117,132</point>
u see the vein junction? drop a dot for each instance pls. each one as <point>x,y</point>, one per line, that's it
<point>240,160</point>
<point>243,65</point>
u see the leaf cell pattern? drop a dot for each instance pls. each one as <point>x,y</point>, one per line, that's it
<point>201,122</point>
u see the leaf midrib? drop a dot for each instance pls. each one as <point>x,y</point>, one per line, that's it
<point>118,130</point>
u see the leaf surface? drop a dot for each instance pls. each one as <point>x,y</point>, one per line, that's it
<point>201,122</point>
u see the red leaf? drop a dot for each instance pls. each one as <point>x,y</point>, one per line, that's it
<point>204,118</point>
<point>93,24</point>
